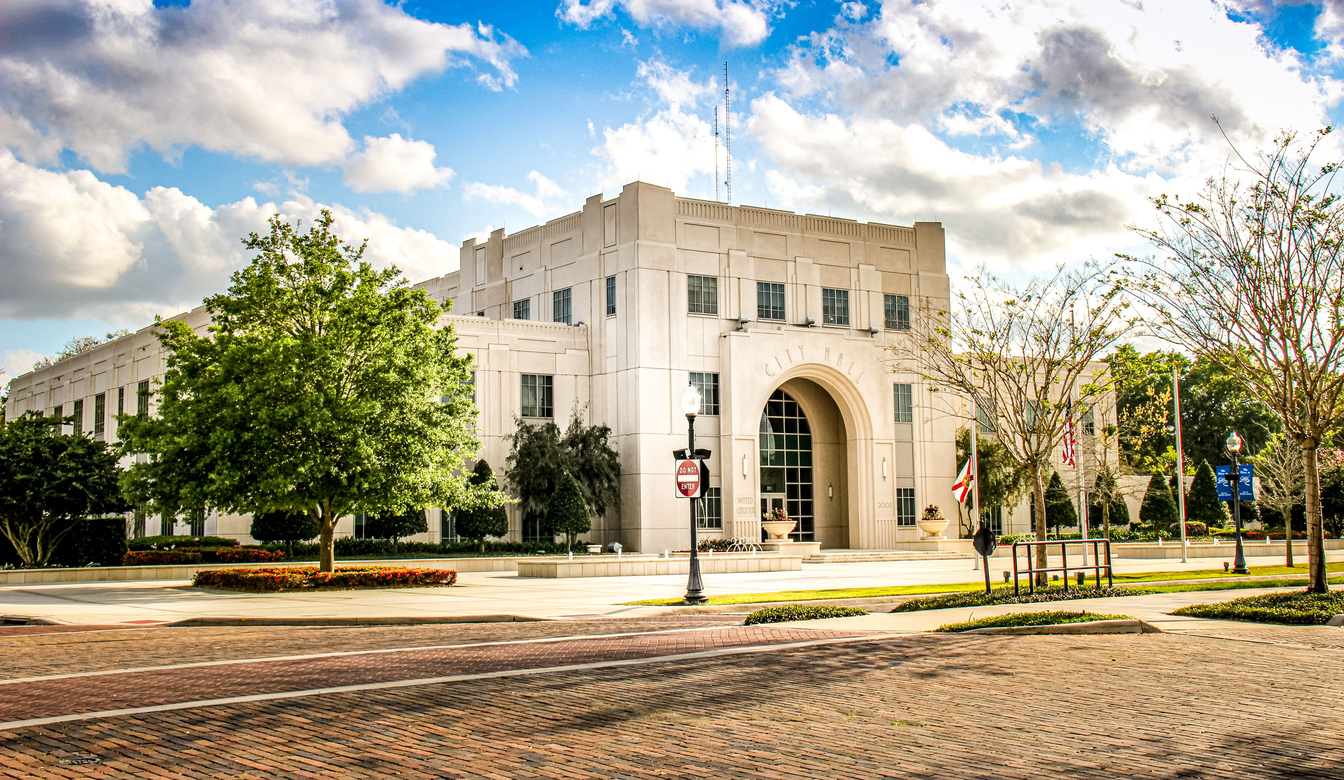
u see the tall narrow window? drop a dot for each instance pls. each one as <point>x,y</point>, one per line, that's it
<point>447,525</point>
<point>58,411</point>
<point>196,521</point>
<point>995,514</point>
<point>897,310</point>
<point>708,385</point>
<point>769,301</point>
<point>702,294</point>
<point>905,405</point>
<point>709,513</point>
<point>560,306</point>
<point>537,396</point>
<point>834,307</point>
<point>79,416</point>
<point>522,310</point>
<point>1089,423</point>
<point>905,506</point>
<point>985,417</point>
<point>99,414</point>
<point>121,400</point>
<point>142,398</point>
<point>361,524</point>
<point>480,266</point>
<point>611,296</point>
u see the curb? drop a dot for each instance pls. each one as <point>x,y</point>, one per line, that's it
<point>357,621</point>
<point>1093,627</point>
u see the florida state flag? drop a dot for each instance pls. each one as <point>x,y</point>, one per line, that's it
<point>962,487</point>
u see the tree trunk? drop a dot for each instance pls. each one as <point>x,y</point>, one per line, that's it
<point>1038,497</point>
<point>1106,517</point>
<point>326,543</point>
<point>1288,533</point>
<point>1317,579</point>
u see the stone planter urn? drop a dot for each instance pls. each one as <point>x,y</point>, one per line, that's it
<point>778,529</point>
<point>932,522</point>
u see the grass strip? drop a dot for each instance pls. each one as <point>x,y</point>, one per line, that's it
<point>962,587</point>
<point>1030,619</point>
<point>1295,609</point>
<point>800,612</point>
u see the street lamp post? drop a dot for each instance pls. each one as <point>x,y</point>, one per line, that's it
<point>1234,477</point>
<point>695,589</point>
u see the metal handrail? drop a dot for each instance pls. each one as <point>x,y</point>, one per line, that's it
<point>1032,570</point>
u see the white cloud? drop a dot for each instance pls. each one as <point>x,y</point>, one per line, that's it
<point>77,246</point>
<point>15,362</point>
<point>395,164</point>
<point>675,87</point>
<point>739,23</point>
<point>536,203</point>
<point>269,79</point>
<point>1142,78</point>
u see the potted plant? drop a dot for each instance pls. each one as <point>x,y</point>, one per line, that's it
<point>777,524</point>
<point>932,521</point>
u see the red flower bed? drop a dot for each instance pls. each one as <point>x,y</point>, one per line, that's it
<point>245,555</point>
<point>309,578</point>
<point>161,557</point>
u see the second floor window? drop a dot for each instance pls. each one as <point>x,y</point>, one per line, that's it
<point>905,406</point>
<point>99,414</point>
<point>522,310</point>
<point>560,307</point>
<point>834,307</point>
<point>897,311</point>
<point>769,301</point>
<point>142,398</point>
<point>708,385</point>
<point>538,397</point>
<point>702,294</point>
<point>611,296</point>
<point>79,416</point>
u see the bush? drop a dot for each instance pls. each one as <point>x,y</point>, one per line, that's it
<point>397,526</point>
<point>1196,530</point>
<point>242,555</point>
<point>1059,509</point>
<point>162,557</point>
<point>979,598</point>
<point>801,612</point>
<point>568,513</point>
<point>1030,619</point>
<point>170,542</point>
<point>1202,504</point>
<point>1158,512</point>
<point>1297,609</point>
<point>97,541</point>
<point>479,523</point>
<point>310,578</point>
<point>717,544</point>
<point>287,527</point>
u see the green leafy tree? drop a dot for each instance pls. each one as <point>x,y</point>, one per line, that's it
<point>568,513</point>
<point>325,386</point>
<point>49,481</point>
<point>287,527</point>
<point>1106,507</point>
<point>1001,481</point>
<point>1059,509</point>
<point>1201,503</point>
<point>397,525</point>
<point>539,454</point>
<point>1278,466</point>
<point>1158,511</point>
<point>480,522</point>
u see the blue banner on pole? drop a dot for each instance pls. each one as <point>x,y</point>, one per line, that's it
<point>1246,474</point>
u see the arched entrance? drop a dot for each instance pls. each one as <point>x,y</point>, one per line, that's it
<point>804,451</point>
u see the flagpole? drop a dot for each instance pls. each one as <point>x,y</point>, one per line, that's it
<point>1180,459</point>
<point>1081,465</point>
<point>975,467</point>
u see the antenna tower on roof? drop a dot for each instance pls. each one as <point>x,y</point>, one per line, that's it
<point>716,153</point>
<point>727,135</point>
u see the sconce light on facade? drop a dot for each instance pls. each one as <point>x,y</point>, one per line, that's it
<point>884,468</point>
<point>744,465</point>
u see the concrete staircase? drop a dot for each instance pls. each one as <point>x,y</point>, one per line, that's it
<point>874,556</point>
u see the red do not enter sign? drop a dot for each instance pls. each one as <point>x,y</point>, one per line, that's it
<point>688,478</point>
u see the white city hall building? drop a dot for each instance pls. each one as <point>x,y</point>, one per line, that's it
<point>781,320</point>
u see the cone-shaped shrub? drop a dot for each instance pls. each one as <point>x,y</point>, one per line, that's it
<point>1159,512</point>
<point>1202,504</point>
<point>1119,510</point>
<point>1059,509</point>
<point>567,513</point>
<point>477,524</point>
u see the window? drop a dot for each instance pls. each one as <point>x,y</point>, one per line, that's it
<point>905,405</point>
<point>99,414</point>
<point>769,301</point>
<point>560,306</point>
<point>480,313</point>
<point>447,525</point>
<point>522,310</point>
<point>834,307</point>
<point>361,526</point>
<point>897,311</point>
<point>56,412</point>
<point>196,522</point>
<point>985,416</point>
<point>702,294</point>
<point>785,446</point>
<point>472,382</point>
<point>79,416</point>
<point>480,266</point>
<point>611,296</point>
<point>167,524</point>
<point>993,517</point>
<point>537,396</point>
<point>708,385</point>
<point>138,523</point>
<point>905,506</point>
<point>121,400</point>
<point>1089,423</point>
<point>709,511</point>
<point>142,399</point>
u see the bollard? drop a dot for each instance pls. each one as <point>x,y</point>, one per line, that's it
<point>1007,575</point>
<point>1082,579</point>
<point>571,555</point>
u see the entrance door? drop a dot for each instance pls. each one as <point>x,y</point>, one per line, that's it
<point>769,503</point>
<point>786,461</point>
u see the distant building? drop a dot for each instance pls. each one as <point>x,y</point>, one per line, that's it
<point>780,319</point>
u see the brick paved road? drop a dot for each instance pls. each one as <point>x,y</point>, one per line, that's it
<point>104,691</point>
<point>946,707</point>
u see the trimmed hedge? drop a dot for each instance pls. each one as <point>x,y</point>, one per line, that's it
<point>168,542</point>
<point>801,612</point>
<point>1030,619</point>
<point>243,555</point>
<point>349,547</point>
<point>1294,609</point>
<point>185,555</point>
<point>309,578</point>
<point>979,598</point>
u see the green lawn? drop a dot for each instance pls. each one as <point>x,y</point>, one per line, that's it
<point>1030,619</point>
<point>1235,581</point>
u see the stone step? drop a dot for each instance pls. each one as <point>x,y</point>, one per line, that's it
<point>872,556</point>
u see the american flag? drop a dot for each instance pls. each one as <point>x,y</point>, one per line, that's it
<point>1070,443</point>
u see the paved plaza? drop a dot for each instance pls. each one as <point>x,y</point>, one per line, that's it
<point>684,697</point>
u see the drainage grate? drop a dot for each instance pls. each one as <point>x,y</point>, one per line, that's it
<point>80,760</point>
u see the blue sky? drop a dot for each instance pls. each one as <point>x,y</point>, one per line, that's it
<point>143,140</point>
